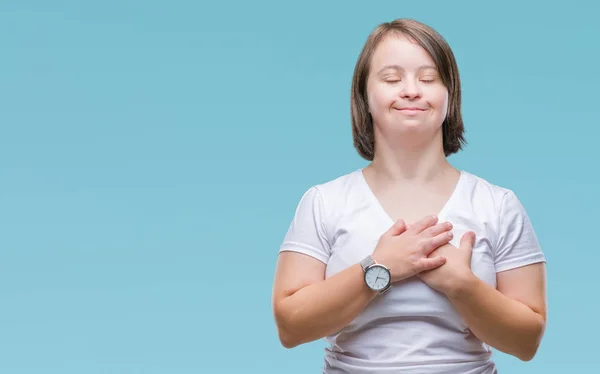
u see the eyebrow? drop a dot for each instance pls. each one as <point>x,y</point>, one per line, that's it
<point>398,67</point>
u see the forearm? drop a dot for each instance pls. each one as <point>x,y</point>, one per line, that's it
<point>323,308</point>
<point>501,322</point>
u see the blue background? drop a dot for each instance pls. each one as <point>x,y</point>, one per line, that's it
<point>152,155</point>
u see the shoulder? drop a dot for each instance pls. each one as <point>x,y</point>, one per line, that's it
<point>515,241</point>
<point>498,204</point>
<point>486,194</point>
<point>329,193</point>
<point>336,190</point>
<point>335,196</point>
<point>340,185</point>
<point>311,229</point>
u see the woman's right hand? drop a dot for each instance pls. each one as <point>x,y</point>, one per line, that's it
<point>405,250</point>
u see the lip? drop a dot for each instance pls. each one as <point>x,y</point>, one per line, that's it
<point>411,109</point>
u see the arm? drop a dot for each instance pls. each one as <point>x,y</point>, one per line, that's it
<point>511,318</point>
<point>306,306</point>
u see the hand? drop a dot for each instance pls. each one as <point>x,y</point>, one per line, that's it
<point>450,277</point>
<point>407,251</point>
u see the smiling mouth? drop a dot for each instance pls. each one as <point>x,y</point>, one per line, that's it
<point>410,109</point>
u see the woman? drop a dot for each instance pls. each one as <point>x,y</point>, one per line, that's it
<point>410,265</point>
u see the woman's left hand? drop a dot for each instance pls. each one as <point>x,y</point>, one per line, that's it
<point>451,276</point>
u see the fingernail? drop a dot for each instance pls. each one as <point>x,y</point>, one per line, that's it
<point>450,235</point>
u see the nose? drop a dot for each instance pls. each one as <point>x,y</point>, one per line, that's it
<point>410,91</point>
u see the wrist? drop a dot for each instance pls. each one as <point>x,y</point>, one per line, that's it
<point>385,261</point>
<point>463,286</point>
<point>379,259</point>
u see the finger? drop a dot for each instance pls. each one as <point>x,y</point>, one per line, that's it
<point>431,244</point>
<point>422,224</point>
<point>432,263</point>
<point>436,229</point>
<point>467,241</point>
<point>397,228</point>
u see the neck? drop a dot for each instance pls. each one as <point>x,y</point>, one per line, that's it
<point>411,162</point>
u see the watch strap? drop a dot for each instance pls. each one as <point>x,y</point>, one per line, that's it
<point>366,262</point>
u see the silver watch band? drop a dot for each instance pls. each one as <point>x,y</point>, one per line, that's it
<point>368,261</point>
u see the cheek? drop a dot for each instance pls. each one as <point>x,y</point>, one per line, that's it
<point>380,100</point>
<point>438,99</point>
<point>444,106</point>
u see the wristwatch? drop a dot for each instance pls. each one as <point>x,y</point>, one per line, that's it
<point>377,277</point>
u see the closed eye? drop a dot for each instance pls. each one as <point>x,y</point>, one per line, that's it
<point>428,79</point>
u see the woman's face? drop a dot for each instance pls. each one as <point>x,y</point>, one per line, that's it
<point>404,89</point>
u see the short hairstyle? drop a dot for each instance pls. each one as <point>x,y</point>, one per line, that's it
<point>441,53</point>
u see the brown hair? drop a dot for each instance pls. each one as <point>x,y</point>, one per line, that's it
<point>440,52</point>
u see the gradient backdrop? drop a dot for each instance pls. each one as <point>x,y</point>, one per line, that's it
<point>152,155</point>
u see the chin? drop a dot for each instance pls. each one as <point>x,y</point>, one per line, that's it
<point>411,126</point>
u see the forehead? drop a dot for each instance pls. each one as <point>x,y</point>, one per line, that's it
<point>399,50</point>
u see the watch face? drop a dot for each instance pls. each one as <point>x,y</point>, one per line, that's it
<point>377,277</point>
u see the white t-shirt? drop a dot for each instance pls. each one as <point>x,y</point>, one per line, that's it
<point>412,328</point>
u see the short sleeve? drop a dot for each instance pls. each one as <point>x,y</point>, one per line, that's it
<point>517,243</point>
<point>306,233</point>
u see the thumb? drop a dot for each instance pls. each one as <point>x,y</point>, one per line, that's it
<point>468,241</point>
<point>397,228</point>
